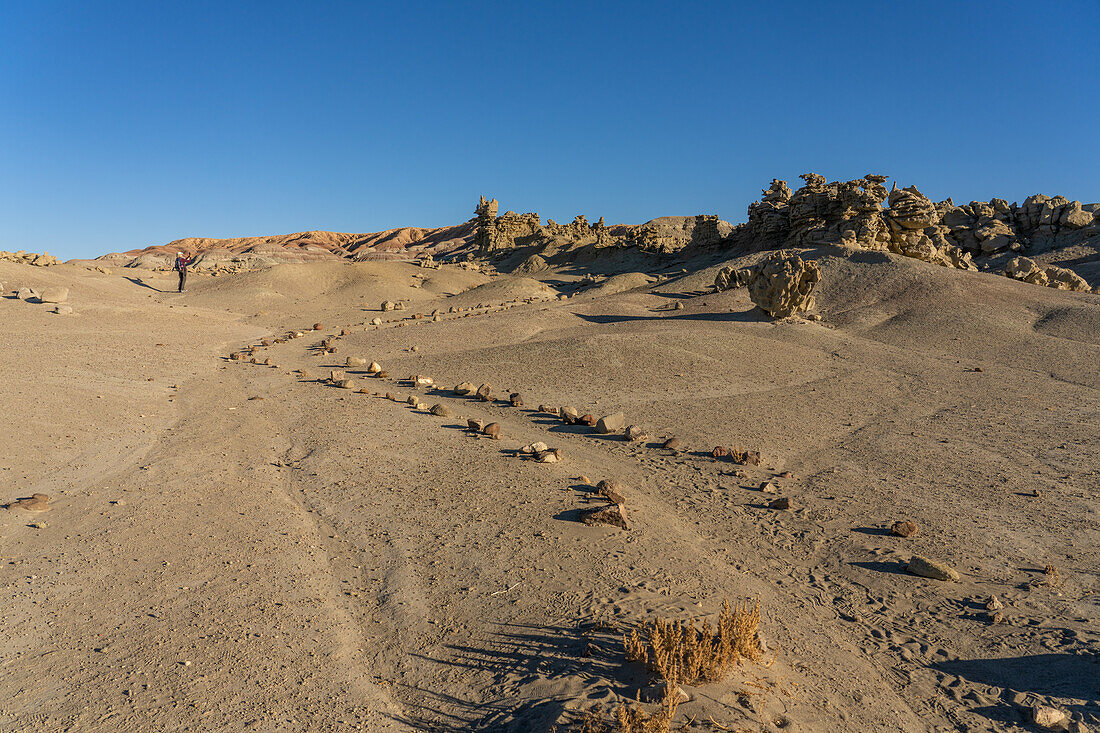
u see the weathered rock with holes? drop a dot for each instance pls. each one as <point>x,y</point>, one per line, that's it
<point>783,284</point>
<point>926,568</point>
<point>730,278</point>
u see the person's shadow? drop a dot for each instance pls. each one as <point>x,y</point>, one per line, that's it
<point>142,283</point>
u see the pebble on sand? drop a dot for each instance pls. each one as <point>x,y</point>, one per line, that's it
<point>32,503</point>
<point>926,568</point>
<point>614,515</point>
<point>611,423</point>
<point>904,529</point>
<point>613,491</point>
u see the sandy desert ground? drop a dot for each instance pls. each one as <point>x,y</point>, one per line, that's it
<point>236,546</point>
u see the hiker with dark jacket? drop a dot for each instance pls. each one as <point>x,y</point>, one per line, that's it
<point>182,263</point>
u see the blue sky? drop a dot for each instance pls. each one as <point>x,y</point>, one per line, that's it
<point>125,124</point>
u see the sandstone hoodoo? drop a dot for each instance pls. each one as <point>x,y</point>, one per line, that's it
<point>784,284</point>
<point>1021,268</point>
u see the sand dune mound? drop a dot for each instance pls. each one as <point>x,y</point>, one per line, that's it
<point>621,283</point>
<point>338,281</point>
<point>504,289</point>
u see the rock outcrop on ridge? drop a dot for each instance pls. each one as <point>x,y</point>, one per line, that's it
<point>44,259</point>
<point>852,213</point>
<point>861,213</point>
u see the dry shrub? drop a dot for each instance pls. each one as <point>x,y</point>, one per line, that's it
<point>634,720</point>
<point>629,719</point>
<point>683,654</point>
<point>1053,577</point>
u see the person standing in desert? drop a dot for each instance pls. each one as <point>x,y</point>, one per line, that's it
<point>182,263</point>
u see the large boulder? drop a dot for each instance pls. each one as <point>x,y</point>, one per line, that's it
<point>783,284</point>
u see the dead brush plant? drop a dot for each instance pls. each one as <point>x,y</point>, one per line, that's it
<point>630,719</point>
<point>682,653</point>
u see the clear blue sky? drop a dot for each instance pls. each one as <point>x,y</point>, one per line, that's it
<point>124,124</point>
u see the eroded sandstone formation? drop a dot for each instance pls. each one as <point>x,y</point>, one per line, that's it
<point>500,235</point>
<point>783,284</point>
<point>1027,270</point>
<point>44,259</point>
<point>853,213</point>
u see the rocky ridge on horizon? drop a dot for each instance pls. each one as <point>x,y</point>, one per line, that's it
<point>860,213</point>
